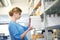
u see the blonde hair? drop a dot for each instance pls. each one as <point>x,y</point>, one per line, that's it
<point>15,10</point>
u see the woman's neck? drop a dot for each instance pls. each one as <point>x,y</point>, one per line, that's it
<point>13,19</point>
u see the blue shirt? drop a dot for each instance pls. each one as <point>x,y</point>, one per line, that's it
<point>16,30</point>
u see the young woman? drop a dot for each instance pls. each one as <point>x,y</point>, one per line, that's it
<point>17,31</point>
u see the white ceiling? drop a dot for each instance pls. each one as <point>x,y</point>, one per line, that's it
<point>23,4</point>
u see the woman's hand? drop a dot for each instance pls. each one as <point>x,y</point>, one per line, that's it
<point>29,24</point>
<point>30,28</point>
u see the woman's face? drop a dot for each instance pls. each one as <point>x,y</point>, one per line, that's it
<point>17,15</point>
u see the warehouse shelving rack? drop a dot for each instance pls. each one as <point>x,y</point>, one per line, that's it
<point>35,8</point>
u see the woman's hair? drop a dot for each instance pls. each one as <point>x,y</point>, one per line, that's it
<point>15,10</point>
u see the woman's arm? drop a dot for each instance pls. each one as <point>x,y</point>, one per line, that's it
<point>24,34</point>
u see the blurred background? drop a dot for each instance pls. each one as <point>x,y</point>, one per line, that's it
<point>44,14</point>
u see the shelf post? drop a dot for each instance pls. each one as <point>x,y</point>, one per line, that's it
<point>45,20</point>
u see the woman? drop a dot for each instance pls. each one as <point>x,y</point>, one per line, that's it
<point>17,31</point>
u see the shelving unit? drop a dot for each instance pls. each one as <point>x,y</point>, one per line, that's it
<point>40,7</point>
<point>37,6</point>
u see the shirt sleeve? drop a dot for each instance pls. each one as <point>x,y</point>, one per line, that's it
<point>14,32</point>
<point>25,28</point>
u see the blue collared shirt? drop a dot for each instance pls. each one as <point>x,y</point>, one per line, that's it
<point>16,30</point>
